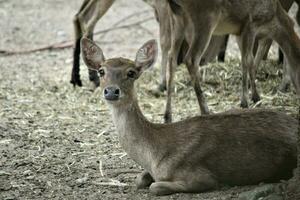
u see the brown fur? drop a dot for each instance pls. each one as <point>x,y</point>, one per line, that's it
<point>92,11</point>
<point>239,147</point>
<point>196,21</point>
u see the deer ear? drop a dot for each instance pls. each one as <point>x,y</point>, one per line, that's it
<point>92,54</point>
<point>146,55</point>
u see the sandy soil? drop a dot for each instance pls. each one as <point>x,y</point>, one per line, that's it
<point>58,142</point>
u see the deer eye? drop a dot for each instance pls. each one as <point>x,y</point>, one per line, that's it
<point>131,74</point>
<point>101,72</point>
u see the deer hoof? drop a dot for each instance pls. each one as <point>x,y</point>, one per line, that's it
<point>144,180</point>
<point>244,103</point>
<point>168,117</point>
<point>284,87</point>
<point>255,98</point>
<point>76,82</point>
<point>162,87</point>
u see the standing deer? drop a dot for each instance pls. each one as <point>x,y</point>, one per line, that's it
<point>196,21</point>
<point>217,45</point>
<point>91,12</point>
<point>197,154</point>
<point>286,4</point>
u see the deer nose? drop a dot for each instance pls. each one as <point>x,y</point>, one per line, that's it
<point>112,93</point>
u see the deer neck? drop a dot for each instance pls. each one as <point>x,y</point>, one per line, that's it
<point>134,131</point>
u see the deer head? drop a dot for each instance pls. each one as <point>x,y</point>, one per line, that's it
<point>117,75</point>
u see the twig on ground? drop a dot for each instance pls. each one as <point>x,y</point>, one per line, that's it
<point>69,43</point>
<point>130,16</point>
<point>124,26</point>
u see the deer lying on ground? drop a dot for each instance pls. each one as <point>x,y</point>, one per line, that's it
<point>195,21</point>
<point>91,12</point>
<point>197,154</point>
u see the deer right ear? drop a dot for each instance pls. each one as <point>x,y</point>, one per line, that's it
<point>92,54</point>
<point>146,56</point>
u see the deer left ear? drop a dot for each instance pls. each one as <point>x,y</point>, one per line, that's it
<point>91,54</point>
<point>146,56</point>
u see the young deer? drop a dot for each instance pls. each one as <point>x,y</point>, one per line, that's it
<point>197,20</point>
<point>196,154</point>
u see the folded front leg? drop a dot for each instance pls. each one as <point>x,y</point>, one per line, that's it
<point>144,180</point>
<point>198,181</point>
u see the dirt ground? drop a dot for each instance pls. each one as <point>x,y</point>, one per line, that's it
<point>58,142</point>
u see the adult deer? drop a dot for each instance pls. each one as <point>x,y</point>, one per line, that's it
<point>286,4</point>
<point>198,154</point>
<point>91,12</point>
<point>195,21</point>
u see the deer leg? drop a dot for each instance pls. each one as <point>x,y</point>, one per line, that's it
<point>166,188</point>
<point>164,62</point>
<point>198,182</point>
<point>285,83</point>
<point>280,57</point>
<point>202,36</point>
<point>289,43</point>
<point>75,78</point>
<point>172,64</point>
<point>298,13</point>
<point>176,42</point>
<point>222,53</point>
<point>244,101</point>
<point>193,68</point>
<point>263,46</point>
<point>214,48</point>
<point>246,43</point>
<point>100,8</point>
<point>87,19</point>
<point>144,180</point>
<point>165,43</point>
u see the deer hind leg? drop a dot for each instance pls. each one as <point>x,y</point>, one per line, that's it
<point>246,43</point>
<point>164,61</point>
<point>263,46</point>
<point>172,64</point>
<point>75,78</point>
<point>165,41</point>
<point>96,11</point>
<point>201,39</point>
<point>280,57</point>
<point>91,11</point>
<point>285,83</point>
<point>214,49</point>
<point>298,14</point>
<point>222,53</point>
<point>289,42</point>
<point>192,64</point>
<point>176,42</point>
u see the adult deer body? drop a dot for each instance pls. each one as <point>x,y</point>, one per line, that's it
<point>197,20</point>
<point>197,154</point>
<point>265,44</point>
<point>91,12</point>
